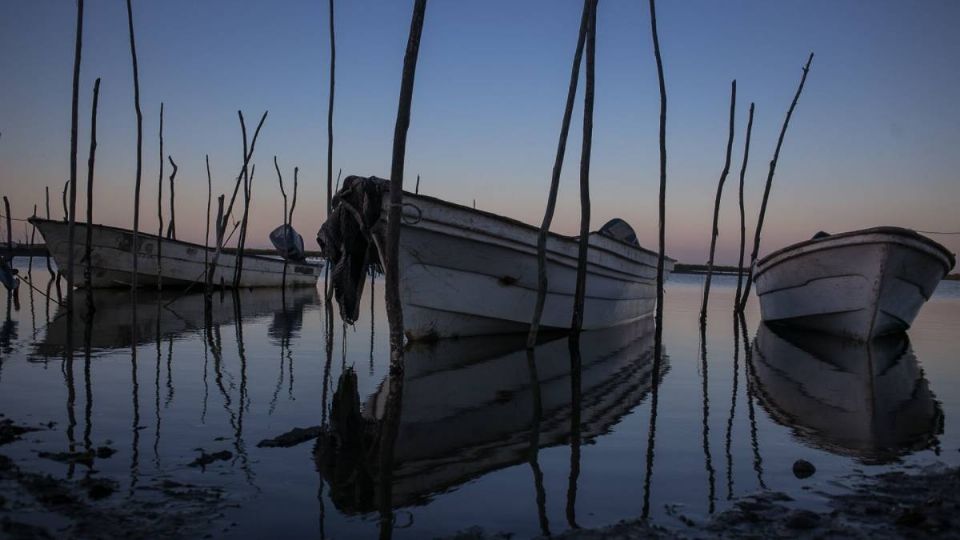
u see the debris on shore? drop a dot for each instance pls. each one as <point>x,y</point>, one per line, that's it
<point>291,438</point>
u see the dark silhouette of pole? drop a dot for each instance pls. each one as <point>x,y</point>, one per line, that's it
<point>766,189</point>
<point>160,206</point>
<point>172,226</point>
<point>716,205</point>
<point>88,253</point>
<point>72,212</point>
<point>743,222</point>
<point>555,179</point>
<point>136,105</point>
<point>333,71</point>
<point>49,267</point>
<point>206,235</point>
<point>392,289</point>
<point>658,331</point>
<point>581,283</point>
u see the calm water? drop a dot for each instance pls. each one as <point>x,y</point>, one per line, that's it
<point>485,436</point>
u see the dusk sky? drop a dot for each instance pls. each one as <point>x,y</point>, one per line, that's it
<point>874,140</point>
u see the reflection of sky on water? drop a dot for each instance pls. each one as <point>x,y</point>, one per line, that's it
<point>199,388</point>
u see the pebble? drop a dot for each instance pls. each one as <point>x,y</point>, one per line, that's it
<point>803,469</point>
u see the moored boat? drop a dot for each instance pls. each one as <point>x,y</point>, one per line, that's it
<point>467,272</point>
<point>859,284</point>
<point>182,264</point>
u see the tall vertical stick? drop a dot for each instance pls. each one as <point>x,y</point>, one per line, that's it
<point>33,236</point>
<point>658,332</point>
<point>286,236</point>
<point>716,205</point>
<point>6,212</point>
<point>394,309</point>
<point>555,180</point>
<point>136,105</point>
<point>743,219</point>
<point>333,71</point>
<point>160,206</point>
<point>206,235</point>
<point>72,213</point>
<point>172,226</point>
<point>766,189</point>
<point>49,267</point>
<point>580,292</point>
<point>88,253</point>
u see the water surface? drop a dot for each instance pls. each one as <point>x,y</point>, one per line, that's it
<point>483,434</point>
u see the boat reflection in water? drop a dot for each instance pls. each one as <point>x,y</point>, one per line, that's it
<point>869,400</point>
<point>118,322</point>
<point>474,405</point>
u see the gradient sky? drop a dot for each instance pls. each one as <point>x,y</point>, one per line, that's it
<point>874,140</point>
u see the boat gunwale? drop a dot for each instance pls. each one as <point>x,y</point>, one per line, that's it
<point>34,220</point>
<point>895,233</point>
<point>517,223</point>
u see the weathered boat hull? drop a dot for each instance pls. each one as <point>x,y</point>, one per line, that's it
<point>865,400</point>
<point>466,272</point>
<point>858,285</point>
<point>181,263</point>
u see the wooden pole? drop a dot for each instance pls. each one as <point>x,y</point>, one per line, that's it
<point>160,206</point>
<point>286,238</point>
<point>206,235</point>
<point>580,292</point>
<point>555,180</point>
<point>658,332</point>
<point>63,196</point>
<point>172,226</point>
<point>743,222</point>
<point>246,160</point>
<point>392,290</point>
<point>72,214</point>
<point>417,188</point>
<point>88,253</point>
<point>766,189</point>
<point>136,190</point>
<point>6,211</point>
<point>716,205</point>
<point>242,241</point>
<point>33,236</point>
<point>333,64</point>
<point>53,275</point>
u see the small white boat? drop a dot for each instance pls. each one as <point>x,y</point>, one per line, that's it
<point>467,272</point>
<point>858,284</point>
<point>181,263</point>
<point>865,400</point>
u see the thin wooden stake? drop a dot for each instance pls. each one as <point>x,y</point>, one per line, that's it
<point>53,275</point>
<point>136,190</point>
<point>66,209</point>
<point>417,188</point>
<point>6,211</point>
<point>286,238</point>
<point>206,235</point>
<point>160,206</point>
<point>242,241</point>
<point>33,236</point>
<point>716,205</point>
<point>743,222</point>
<point>766,189</point>
<point>172,226</point>
<point>72,214</point>
<point>88,252</point>
<point>658,331</point>
<point>580,292</point>
<point>392,266</point>
<point>555,179</point>
<point>333,71</point>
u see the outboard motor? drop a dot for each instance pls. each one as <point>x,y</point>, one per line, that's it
<point>288,242</point>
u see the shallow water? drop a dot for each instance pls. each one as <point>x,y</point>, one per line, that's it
<point>485,436</point>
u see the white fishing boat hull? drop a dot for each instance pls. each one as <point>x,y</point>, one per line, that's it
<point>859,285</point>
<point>181,263</point>
<point>466,272</point>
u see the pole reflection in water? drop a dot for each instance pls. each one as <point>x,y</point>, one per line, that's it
<point>748,366</point>
<point>869,401</point>
<point>728,439</point>
<point>466,411</point>
<point>575,403</point>
<point>534,450</point>
<point>704,385</point>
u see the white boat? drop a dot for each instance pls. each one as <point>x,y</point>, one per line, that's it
<point>858,284</point>
<point>181,263</point>
<point>869,400</point>
<point>467,272</point>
